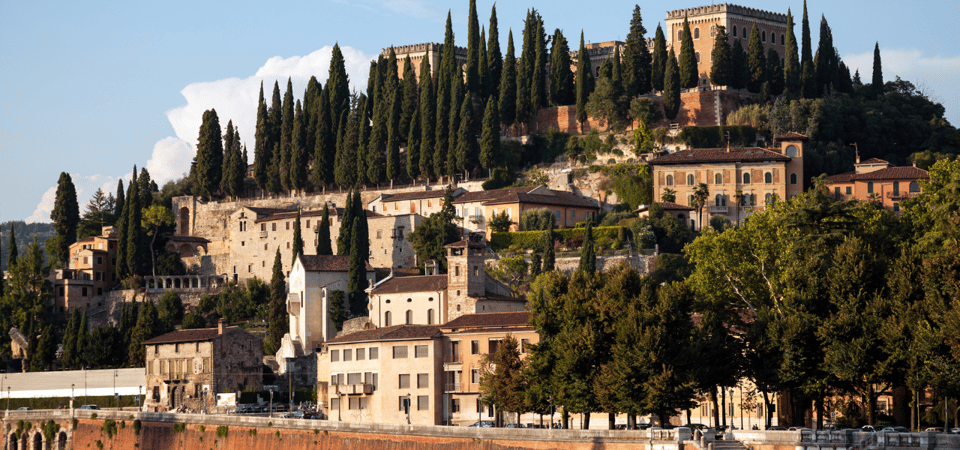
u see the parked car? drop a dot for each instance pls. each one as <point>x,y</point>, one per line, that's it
<point>775,428</point>
<point>482,424</point>
<point>24,408</point>
<point>870,428</point>
<point>696,426</point>
<point>89,407</point>
<point>895,430</point>
<point>514,425</point>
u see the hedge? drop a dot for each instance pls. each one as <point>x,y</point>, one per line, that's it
<point>527,240</point>
<point>104,401</point>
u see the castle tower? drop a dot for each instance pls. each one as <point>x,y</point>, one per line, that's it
<point>466,278</point>
<point>792,145</point>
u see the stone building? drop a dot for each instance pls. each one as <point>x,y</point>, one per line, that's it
<point>876,180</point>
<point>738,20</point>
<point>740,180</point>
<point>433,51</point>
<point>477,208</point>
<point>187,368</point>
<point>423,203</point>
<point>91,271</point>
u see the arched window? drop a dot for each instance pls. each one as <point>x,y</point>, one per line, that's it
<point>429,317</point>
<point>713,31</point>
<point>679,35</point>
<point>720,200</point>
<point>793,178</point>
<point>746,178</point>
<point>914,186</point>
<point>745,32</point>
<point>696,33</point>
<point>386,319</point>
<point>768,178</point>
<point>669,180</point>
<point>767,199</point>
<point>763,36</point>
<point>792,151</point>
<point>698,57</point>
<point>718,179</point>
<point>409,318</point>
<point>690,180</point>
<point>783,39</point>
<point>734,31</point>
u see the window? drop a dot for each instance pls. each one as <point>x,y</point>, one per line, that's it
<point>734,31</point>
<point>334,404</point>
<point>263,227</point>
<point>767,199</point>
<point>273,227</point>
<point>746,178</point>
<point>720,200</point>
<point>836,194</point>
<point>744,32</point>
<point>361,354</point>
<point>347,354</point>
<point>308,223</point>
<point>429,317</point>
<point>690,180</point>
<point>476,271</point>
<point>423,380</point>
<point>421,351</point>
<point>718,179</point>
<point>524,343</point>
<point>409,318</point>
<point>492,345</point>
<point>404,381</point>
<point>573,214</point>
<point>455,405</point>
<point>713,31</point>
<point>896,207</point>
<point>793,178</point>
<point>763,36</point>
<point>456,270</point>
<point>474,376</point>
<point>669,180</point>
<point>870,187</point>
<point>474,347</point>
<point>914,186</point>
<point>792,151</point>
<point>370,378</point>
<point>399,351</point>
<point>379,234</point>
<point>783,39</point>
<point>679,35</point>
<point>334,355</point>
<point>696,33</point>
<point>557,215</point>
<point>768,178</point>
<point>896,188</point>
<point>354,378</point>
<point>386,318</point>
<point>423,402</point>
<point>849,190</point>
<point>353,403</point>
<point>698,57</point>
<point>374,352</point>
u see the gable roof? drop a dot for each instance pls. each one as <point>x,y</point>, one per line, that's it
<point>874,161</point>
<point>536,195</point>
<point>483,320</point>
<point>394,333</point>
<point>841,178</point>
<point>420,283</point>
<point>894,173</point>
<point>720,155</point>
<point>483,196</point>
<point>675,206</point>
<point>328,263</point>
<point>199,334</point>
<point>791,136</point>
<point>416,195</point>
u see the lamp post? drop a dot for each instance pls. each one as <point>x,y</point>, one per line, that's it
<point>339,403</point>
<point>408,400</point>
<point>270,411</point>
<point>8,398</point>
<point>115,396</point>
<point>71,396</point>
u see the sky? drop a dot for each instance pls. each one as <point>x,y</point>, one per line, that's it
<point>95,88</point>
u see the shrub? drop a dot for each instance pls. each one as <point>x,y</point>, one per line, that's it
<point>74,424</point>
<point>536,219</point>
<point>202,428</point>
<point>50,429</point>
<point>93,416</point>
<point>109,427</point>
<point>179,428</point>
<point>499,178</point>
<point>252,432</point>
<point>222,431</point>
<point>136,427</point>
<point>99,444</point>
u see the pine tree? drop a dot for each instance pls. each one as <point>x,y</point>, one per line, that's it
<point>791,62</point>
<point>338,84</point>
<point>357,277</point>
<point>428,114</point>
<point>277,321</point>
<point>495,60</point>
<point>507,100</point>
<point>286,138</point>
<point>720,56</point>
<point>774,72</point>
<point>738,66</point>
<point>345,240</point>
<point>584,82</point>
<point>756,61</point>
<point>261,148</point>
<point>636,58</point>
<point>825,61</point>
<point>325,144</point>
<point>324,245</point>
<point>689,74</point>
<point>658,68</point>
<point>561,77</point>
<point>538,91</point>
<point>395,135</point>
<point>297,240</point>
<point>413,147</point>
<point>410,97</point>
<point>468,152</point>
<point>65,217</point>
<point>12,249</point>
<point>588,253</point>
<point>445,79</point>
<point>298,151</point>
<point>808,82</point>
<point>490,137</point>
<point>877,80</point>
<point>473,50</point>
<point>671,88</point>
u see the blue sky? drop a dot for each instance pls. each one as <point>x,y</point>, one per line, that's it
<point>94,88</point>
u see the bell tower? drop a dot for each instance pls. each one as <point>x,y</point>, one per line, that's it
<point>466,278</point>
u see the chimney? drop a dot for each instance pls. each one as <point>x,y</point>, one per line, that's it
<point>914,163</point>
<point>221,325</point>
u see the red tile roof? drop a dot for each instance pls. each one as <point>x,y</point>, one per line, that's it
<point>841,178</point>
<point>675,206</point>
<point>525,195</point>
<point>895,173</point>
<point>199,334</point>
<point>416,195</point>
<point>420,283</point>
<point>874,161</point>
<point>328,263</point>
<point>791,136</point>
<point>483,320</point>
<point>483,196</point>
<point>719,155</point>
<point>394,333</point>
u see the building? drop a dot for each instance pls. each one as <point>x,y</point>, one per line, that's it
<point>187,368</point>
<point>433,51</point>
<point>679,211</point>
<point>433,298</point>
<point>740,180</point>
<point>477,208</point>
<point>738,20</point>
<point>91,271</point>
<point>423,203</point>
<point>875,180</point>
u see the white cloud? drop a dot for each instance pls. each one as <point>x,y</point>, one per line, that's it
<point>42,213</point>
<point>85,187</point>
<point>170,159</point>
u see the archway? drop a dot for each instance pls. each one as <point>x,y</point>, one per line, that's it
<point>186,251</point>
<point>38,441</point>
<point>173,398</point>
<point>62,441</point>
<point>12,442</point>
<point>184,221</point>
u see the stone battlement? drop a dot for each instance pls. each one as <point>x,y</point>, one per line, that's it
<point>417,48</point>
<point>728,8</point>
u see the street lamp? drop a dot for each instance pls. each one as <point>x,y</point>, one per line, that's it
<point>407,400</point>
<point>71,396</point>
<point>115,396</point>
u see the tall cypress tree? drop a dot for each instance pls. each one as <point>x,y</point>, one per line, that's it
<point>468,152</point>
<point>65,217</point>
<point>756,62</point>
<point>395,135</point>
<point>428,115</point>
<point>720,56</point>
<point>877,80</point>
<point>134,234</point>
<point>846,84</point>
<point>525,71</point>
<point>324,245</point>
<point>507,101</point>
<point>413,147</point>
<point>338,84</point>
<point>808,82</point>
<point>298,151</point>
<point>484,67</point>
<point>209,169</point>
<point>363,234</point>
<point>236,168</point>
<point>473,50</point>
<point>636,57</point>
<point>359,134</point>
<point>12,249</point>
<point>774,72</point>
<point>410,96</point>
<point>825,61</point>
<point>275,113</point>
<point>286,138</point>
<point>445,79</point>
<point>297,239</point>
<point>147,188</point>
<point>277,321</point>
<point>791,62</point>
<point>738,66</point>
<point>490,136</point>
<point>538,91</point>
<point>671,88</point>
<point>689,73</point>
<point>261,148</point>
<point>345,173</point>
<point>588,254</point>
<point>325,143</point>
<point>376,149</point>
<point>356,276</point>
<point>311,100</point>
<point>456,101</point>
<point>658,67</point>
<point>83,335</point>
<point>345,240</point>
<point>584,82</point>
<point>70,340</point>
<point>122,219</point>
<point>561,77</point>
<point>120,198</point>
<point>226,187</point>
<point>494,57</point>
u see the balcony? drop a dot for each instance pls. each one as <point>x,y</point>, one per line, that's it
<point>476,219</point>
<point>355,389</point>
<point>718,209</point>
<point>263,234</point>
<point>452,387</point>
<point>902,195</point>
<point>453,358</point>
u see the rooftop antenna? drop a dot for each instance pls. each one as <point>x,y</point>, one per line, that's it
<point>857,152</point>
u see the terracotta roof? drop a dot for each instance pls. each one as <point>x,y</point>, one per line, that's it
<point>267,211</point>
<point>187,239</point>
<point>675,206</point>
<point>465,243</point>
<point>87,239</point>
<point>715,155</point>
<point>499,319</point>
<point>199,334</point>
<point>841,178</point>
<point>894,173</point>
<point>328,263</point>
<point>791,136</point>
<point>524,195</point>
<point>874,161</point>
<point>420,283</point>
<point>416,195</point>
<point>394,333</point>
<point>483,196</point>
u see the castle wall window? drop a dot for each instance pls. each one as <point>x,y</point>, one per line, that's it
<point>746,178</point>
<point>679,35</point>
<point>669,180</point>
<point>763,36</point>
<point>718,179</point>
<point>745,32</point>
<point>698,57</point>
<point>696,33</point>
<point>734,31</point>
<point>713,31</point>
<point>783,39</point>
<point>768,178</point>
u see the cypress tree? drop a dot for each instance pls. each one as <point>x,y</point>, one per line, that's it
<point>363,230</point>
<point>468,151</point>
<point>494,57</point>
<point>338,84</point>
<point>324,147</point>
<point>409,104</point>
<point>65,217</point>
<point>561,77</point>
<point>286,138</point>
<point>209,169</point>
<point>808,82</point>
<point>70,340</point>
<point>377,147</point>
<point>83,335</point>
<point>445,75</point>
<point>359,134</point>
<point>877,80</point>
<point>584,82</point>
<point>482,91</point>
<point>720,56</point>
<point>134,234</point>
<point>413,147</point>
<point>490,137</point>
<point>122,219</point>
<point>373,85</point>
<point>297,239</point>
<point>538,92</point>
<point>658,68</point>
<point>738,66</point>
<point>846,84</point>
<point>456,101</point>
<point>311,100</point>
<point>345,240</point>
<point>507,101</point>
<point>636,57</point>
<point>147,188</point>
<point>825,61</point>
<point>473,50</point>
<point>756,62</point>
<point>671,88</point>
<point>324,245</point>
<point>774,72</point>
<point>12,249</point>
<point>228,161</point>
<point>428,114</point>
<point>549,254</point>
<point>277,321</point>
<point>273,182</point>
<point>119,199</point>
<point>791,62</point>
<point>525,71</point>
<point>345,163</point>
<point>689,74</point>
<point>356,276</point>
<point>298,151</point>
<point>395,136</point>
<point>147,326</point>
<point>275,113</point>
<point>588,254</point>
<point>261,148</point>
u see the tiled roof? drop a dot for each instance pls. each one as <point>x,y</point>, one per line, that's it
<point>720,155</point>
<point>420,283</point>
<point>499,319</point>
<point>328,263</point>
<point>416,195</point>
<point>188,239</point>
<point>88,239</point>
<point>791,136</point>
<point>874,161</point>
<point>675,206</point>
<point>394,333</point>
<point>267,211</point>
<point>199,334</point>
<point>894,173</point>
<point>841,178</point>
<point>483,196</point>
<point>465,243</point>
<point>524,195</point>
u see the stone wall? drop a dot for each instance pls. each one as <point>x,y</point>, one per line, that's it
<point>643,264</point>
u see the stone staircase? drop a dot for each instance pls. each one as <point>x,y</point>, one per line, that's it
<point>727,445</point>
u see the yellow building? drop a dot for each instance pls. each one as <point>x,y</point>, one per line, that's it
<point>91,271</point>
<point>739,180</point>
<point>875,180</point>
<point>477,208</point>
